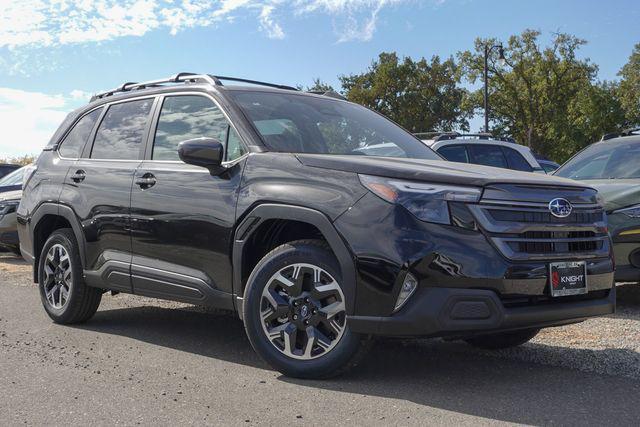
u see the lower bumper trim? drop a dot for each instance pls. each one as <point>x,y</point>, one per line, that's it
<point>449,311</point>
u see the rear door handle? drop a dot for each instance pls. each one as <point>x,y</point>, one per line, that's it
<point>146,181</point>
<point>79,176</point>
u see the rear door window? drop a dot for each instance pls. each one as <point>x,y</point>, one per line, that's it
<point>72,145</point>
<point>488,155</point>
<point>122,131</point>
<point>516,161</point>
<point>454,153</point>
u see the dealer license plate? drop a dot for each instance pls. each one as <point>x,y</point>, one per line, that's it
<point>568,278</point>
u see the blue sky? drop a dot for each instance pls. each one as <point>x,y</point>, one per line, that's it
<point>55,53</point>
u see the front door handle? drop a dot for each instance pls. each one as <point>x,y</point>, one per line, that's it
<point>79,176</point>
<point>146,181</point>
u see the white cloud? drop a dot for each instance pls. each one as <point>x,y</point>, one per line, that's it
<point>46,23</point>
<point>30,118</point>
<point>268,25</point>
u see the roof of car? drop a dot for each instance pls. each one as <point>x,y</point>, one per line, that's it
<point>490,141</point>
<point>618,139</point>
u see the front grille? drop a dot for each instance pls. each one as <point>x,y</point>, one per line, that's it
<point>524,230</point>
<point>544,217</point>
<point>543,242</point>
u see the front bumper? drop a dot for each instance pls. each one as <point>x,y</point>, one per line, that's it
<point>466,312</point>
<point>466,285</point>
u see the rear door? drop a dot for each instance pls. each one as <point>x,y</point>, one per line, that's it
<point>98,189</point>
<point>182,216</point>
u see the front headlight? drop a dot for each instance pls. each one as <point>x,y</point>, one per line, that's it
<point>8,206</point>
<point>631,211</point>
<point>427,201</point>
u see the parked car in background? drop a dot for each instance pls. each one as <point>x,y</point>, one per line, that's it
<point>7,168</point>
<point>547,164</point>
<point>612,166</point>
<point>13,181</point>
<point>10,195</point>
<point>484,149</point>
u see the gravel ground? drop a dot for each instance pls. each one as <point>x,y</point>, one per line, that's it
<point>143,361</point>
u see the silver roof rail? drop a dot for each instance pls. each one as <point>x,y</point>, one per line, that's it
<point>177,78</point>
<point>183,78</point>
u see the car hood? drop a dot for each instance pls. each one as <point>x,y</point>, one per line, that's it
<point>10,195</point>
<point>616,193</point>
<point>432,170</point>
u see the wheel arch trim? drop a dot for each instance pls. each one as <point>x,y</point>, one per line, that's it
<point>254,218</point>
<point>63,211</point>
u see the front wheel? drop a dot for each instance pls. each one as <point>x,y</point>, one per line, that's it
<point>295,315</point>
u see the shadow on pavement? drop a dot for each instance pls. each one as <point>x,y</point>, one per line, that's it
<point>432,373</point>
<point>12,259</point>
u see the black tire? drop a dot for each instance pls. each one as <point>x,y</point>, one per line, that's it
<point>82,301</point>
<point>348,350</point>
<point>503,339</point>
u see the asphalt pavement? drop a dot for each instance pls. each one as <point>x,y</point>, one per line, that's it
<point>142,361</point>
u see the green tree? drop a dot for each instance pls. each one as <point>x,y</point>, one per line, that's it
<point>419,95</point>
<point>320,86</point>
<point>629,90</point>
<point>545,97</point>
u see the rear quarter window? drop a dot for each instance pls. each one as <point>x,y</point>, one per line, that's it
<point>516,161</point>
<point>77,137</point>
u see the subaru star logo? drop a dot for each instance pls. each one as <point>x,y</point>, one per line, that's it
<point>560,208</point>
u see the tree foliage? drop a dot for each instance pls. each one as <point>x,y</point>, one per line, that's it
<point>629,90</point>
<point>545,97</point>
<point>21,160</point>
<point>320,86</point>
<point>419,95</point>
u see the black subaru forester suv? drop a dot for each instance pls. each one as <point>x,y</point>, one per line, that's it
<point>268,201</point>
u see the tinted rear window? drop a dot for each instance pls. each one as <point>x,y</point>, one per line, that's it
<point>488,155</point>
<point>454,153</point>
<point>516,161</point>
<point>121,133</point>
<point>73,143</point>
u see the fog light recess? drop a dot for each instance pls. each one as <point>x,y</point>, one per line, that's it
<point>409,286</point>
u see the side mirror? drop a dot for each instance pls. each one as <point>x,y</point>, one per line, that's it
<point>205,152</point>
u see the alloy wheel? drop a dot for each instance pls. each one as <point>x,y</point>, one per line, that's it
<point>57,276</point>
<point>303,311</point>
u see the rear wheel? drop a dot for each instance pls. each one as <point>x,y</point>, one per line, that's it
<point>64,294</point>
<point>503,339</point>
<point>295,315</point>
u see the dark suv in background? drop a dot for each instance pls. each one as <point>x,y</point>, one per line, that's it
<point>264,200</point>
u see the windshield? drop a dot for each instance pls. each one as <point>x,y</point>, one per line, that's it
<point>604,160</point>
<point>14,178</point>
<point>296,123</point>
